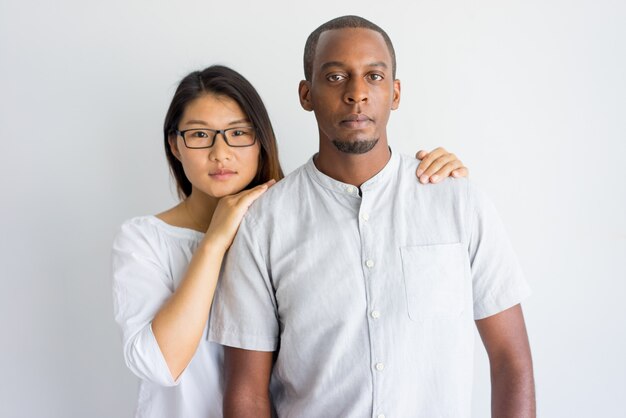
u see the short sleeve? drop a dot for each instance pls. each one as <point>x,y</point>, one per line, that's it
<point>244,312</point>
<point>141,285</point>
<point>497,278</point>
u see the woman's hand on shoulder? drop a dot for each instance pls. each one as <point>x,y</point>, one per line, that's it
<point>229,213</point>
<point>437,165</point>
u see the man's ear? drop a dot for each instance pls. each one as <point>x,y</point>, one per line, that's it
<point>304,91</point>
<point>174,145</point>
<point>396,95</point>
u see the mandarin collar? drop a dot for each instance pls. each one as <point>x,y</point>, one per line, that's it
<point>377,180</point>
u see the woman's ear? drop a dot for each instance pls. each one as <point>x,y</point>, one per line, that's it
<point>172,140</point>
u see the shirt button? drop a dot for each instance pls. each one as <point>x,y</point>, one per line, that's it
<point>380,416</point>
<point>375,314</point>
<point>369,263</point>
<point>365,217</point>
<point>379,366</point>
<point>351,189</point>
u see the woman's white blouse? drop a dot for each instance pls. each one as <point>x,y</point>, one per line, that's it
<point>149,259</point>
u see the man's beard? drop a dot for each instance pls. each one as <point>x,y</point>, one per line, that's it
<point>355,147</point>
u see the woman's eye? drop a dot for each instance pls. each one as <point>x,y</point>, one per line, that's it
<point>199,134</point>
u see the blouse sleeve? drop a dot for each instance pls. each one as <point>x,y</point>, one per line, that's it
<point>141,285</point>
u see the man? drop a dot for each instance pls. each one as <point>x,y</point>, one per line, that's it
<point>355,288</point>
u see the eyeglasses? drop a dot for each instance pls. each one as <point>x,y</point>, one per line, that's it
<point>205,138</point>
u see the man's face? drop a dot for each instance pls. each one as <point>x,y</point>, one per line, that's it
<point>352,90</point>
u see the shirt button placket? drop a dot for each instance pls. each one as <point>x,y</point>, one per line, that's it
<point>369,243</point>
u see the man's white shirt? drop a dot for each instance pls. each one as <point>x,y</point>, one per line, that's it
<point>369,295</point>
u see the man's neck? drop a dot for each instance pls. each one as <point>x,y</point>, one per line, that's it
<point>353,169</point>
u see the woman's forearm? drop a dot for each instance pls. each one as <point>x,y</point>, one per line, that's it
<point>178,326</point>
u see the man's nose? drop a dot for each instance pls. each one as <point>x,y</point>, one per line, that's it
<point>357,91</point>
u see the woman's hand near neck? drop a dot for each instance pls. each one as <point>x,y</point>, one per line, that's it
<point>178,325</point>
<point>195,212</point>
<point>199,208</point>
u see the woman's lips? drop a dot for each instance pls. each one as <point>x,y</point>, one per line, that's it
<point>223,174</point>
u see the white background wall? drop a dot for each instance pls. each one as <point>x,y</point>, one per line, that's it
<point>531,94</point>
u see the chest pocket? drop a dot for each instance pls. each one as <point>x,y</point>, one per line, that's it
<point>435,277</point>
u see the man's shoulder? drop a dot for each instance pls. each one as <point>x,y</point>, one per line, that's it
<point>449,186</point>
<point>282,195</point>
<point>408,161</point>
<point>285,187</point>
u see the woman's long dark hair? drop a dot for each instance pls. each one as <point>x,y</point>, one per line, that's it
<point>222,81</point>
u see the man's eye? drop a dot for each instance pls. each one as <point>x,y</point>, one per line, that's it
<point>335,77</point>
<point>376,77</point>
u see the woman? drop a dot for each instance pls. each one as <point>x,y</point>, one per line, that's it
<point>222,152</point>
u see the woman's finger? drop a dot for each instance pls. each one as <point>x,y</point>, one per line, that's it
<point>446,170</point>
<point>436,165</point>
<point>428,158</point>
<point>246,197</point>
<point>460,172</point>
<point>421,154</point>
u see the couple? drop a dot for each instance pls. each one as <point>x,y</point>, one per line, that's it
<point>350,289</point>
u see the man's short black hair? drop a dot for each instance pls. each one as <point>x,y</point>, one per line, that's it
<point>343,22</point>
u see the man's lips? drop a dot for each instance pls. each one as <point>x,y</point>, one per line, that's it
<point>356,121</point>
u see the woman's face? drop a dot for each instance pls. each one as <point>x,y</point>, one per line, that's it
<point>220,170</point>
